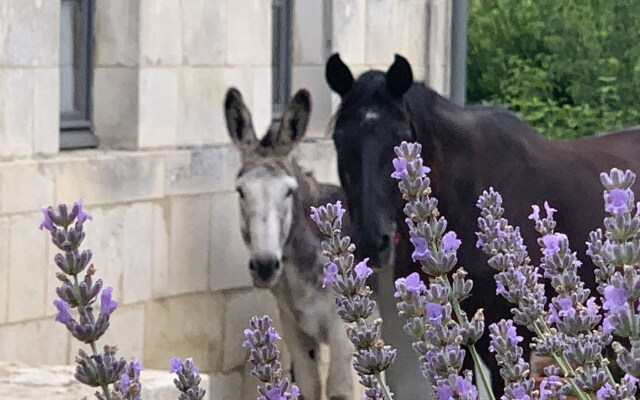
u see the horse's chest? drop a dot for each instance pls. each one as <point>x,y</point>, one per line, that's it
<point>312,308</point>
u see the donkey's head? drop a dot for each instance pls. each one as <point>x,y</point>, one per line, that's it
<point>266,182</point>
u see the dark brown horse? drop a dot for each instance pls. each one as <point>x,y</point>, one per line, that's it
<point>468,150</point>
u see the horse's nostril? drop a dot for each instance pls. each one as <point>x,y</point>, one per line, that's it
<point>383,242</point>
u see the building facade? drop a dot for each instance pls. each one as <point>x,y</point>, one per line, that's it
<point>120,102</point>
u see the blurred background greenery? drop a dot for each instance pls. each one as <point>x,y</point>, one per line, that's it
<point>569,67</point>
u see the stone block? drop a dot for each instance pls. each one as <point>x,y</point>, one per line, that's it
<point>57,383</point>
<point>312,78</point>
<point>411,39</point>
<point>204,39</point>
<point>34,342</point>
<point>201,95</point>
<point>158,100</point>
<point>229,257</point>
<point>115,106</point>
<point>160,248</point>
<point>137,240</point>
<point>32,33</point>
<point>126,331</point>
<point>248,32</point>
<point>226,386</point>
<point>349,22</point>
<point>30,187</point>
<point>319,156</point>
<point>46,120</point>
<point>185,326</point>
<point>109,178</point>
<point>240,308</point>
<point>27,257</point>
<point>4,269</point>
<point>160,33</point>
<point>16,111</point>
<point>189,238</point>
<point>381,42</point>
<point>116,33</point>
<point>309,39</point>
<point>439,44</point>
<point>201,170</point>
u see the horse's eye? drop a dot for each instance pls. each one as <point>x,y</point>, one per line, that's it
<point>240,192</point>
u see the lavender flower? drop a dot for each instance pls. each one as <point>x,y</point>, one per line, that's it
<point>372,356</point>
<point>188,380</point>
<point>429,312</point>
<point>515,370</point>
<point>265,358</point>
<point>129,387</point>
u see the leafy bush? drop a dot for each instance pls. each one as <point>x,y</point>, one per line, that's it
<point>570,68</point>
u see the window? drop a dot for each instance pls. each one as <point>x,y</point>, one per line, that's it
<point>281,56</point>
<point>75,74</point>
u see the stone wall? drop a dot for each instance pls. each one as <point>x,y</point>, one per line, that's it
<point>161,185</point>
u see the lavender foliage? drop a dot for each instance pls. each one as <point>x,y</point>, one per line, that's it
<point>433,315</point>
<point>117,378</point>
<point>372,356</point>
<point>188,380</point>
<point>265,358</point>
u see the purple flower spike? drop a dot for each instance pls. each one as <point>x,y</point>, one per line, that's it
<point>82,216</point>
<point>414,283</point>
<point>435,312</point>
<point>47,223</point>
<point>330,272</point>
<point>450,242</point>
<point>400,165</point>
<point>107,305</point>
<point>64,315</point>
<point>315,215</point>
<point>421,251</point>
<point>617,201</point>
<point>362,270</point>
<point>339,210</point>
<point>175,365</point>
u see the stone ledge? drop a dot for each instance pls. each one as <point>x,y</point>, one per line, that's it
<point>21,381</point>
<point>116,176</point>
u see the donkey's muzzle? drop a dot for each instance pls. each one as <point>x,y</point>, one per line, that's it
<point>264,268</point>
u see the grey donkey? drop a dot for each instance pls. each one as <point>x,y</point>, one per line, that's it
<point>285,255</point>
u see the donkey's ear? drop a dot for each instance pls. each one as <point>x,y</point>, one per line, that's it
<point>399,76</point>
<point>338,75</point>
<point>292,127</point>
<point>239,121</point>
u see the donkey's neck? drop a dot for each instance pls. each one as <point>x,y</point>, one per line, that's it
<point>302,248</point>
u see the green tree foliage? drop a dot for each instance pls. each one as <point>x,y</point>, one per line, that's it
<point>569,67</point>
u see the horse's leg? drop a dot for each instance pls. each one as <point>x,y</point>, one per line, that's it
<point>304,352</point>
<point>339,382</point>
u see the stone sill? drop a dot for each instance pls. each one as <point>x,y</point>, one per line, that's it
<point>21,381</point>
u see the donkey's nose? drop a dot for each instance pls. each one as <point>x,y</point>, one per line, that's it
<point>383,243</point>
<point>264,267</point>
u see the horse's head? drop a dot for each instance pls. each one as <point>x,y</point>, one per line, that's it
<point>371,120</point>
<point>266,183</point>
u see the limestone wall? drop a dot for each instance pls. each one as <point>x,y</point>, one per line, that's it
<point>161,185</point>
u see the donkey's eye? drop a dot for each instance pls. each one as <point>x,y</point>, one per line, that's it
<point>289,193</point>
<point>240,193</point>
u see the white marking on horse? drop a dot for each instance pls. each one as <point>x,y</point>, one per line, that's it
<point>371,115</point>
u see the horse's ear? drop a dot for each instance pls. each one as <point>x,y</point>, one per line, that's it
<point>399,76</point>
<point>338,75</point>
<point>293,125</point>
<point>238,119</point>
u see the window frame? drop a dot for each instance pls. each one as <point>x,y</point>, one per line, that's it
<point>284,58</point>
<point>76,127</point>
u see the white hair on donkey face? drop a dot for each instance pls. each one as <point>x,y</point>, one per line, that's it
<point>266,207</point>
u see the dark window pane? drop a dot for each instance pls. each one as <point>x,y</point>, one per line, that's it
<point>75,73</point>
<point>281,55</point>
